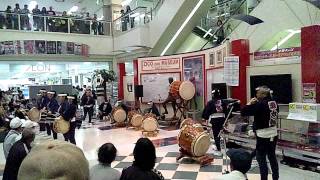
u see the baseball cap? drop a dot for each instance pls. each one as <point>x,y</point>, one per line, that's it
<point>15,123</point>
<point>240,159</point>
<point>29,124</point>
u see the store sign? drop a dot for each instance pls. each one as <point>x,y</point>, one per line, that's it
<point>304,112</point>
<point>285,52</point>
<point>309,92</point>
<point>163,64</point>
<point>36,68</point>
<point>39,68</point>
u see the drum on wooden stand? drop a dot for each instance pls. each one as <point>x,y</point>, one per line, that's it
<point>60,125</point>
<point>190,122</point>
<point>184,90</point>
<point>34,114</point>
<point>135,118</point>
<point>193,139</point>
<point>174,89</point>
<point>118,114</point>
<point>150,123</point>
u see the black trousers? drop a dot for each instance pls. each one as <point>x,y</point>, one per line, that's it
<point>88,111</point>
<point>49,127</point>
<point>69,136</point>
<point>267,148</point>
<point>217,125</point>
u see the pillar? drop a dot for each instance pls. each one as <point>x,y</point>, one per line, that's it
<point>111,11</point>
<point>135,72</point>
<point>121,73</point>
<point>310,56</point>
<point>240,48</point>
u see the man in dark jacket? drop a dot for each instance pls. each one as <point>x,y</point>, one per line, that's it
<point>52,108</point>
<point>69,115</point>
<point>88,102</point>
<point>17,154</point>
<point>216,111</point>
<point>104,109</point>
<point>265,112</point>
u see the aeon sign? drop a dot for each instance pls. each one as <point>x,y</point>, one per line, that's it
<point>38,68</point>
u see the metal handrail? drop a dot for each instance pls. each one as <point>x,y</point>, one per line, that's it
<point>130,13</point>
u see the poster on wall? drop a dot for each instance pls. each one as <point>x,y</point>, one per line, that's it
<point>8,47</point>
<point>193,71</point>
<point>231,70</point>
<point>17,47</point>
<point>309,92</point>
<point>77,49</point>
<point>28,47</point>
<point>219,57</point>
<point>40,47</point>
<point>51,47</point>
<point>61,47</point>
<point>70,48</point>
<point>1,48</point>
<point>212,59</point>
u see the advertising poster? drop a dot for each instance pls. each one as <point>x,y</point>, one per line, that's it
<point>70,48</point>
<point>51,47</point>
<point>28,47</point>
<point>212,59</point>
<point>219,57</point>
<point>40,47</point>
<point>309,92</point>
<point>17,47</point>
<point>61,47</point>
<point>77,49</point>
<point>193,71</point>
<point>8,47</point>
<point>231,70</point>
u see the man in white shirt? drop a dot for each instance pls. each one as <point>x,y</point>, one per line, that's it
<point>12,136</point>
<point>240,164</point>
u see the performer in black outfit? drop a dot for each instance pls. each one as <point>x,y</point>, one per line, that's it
<point>265,112</point>
<point>62,103</point>
<point>87,101</point>
<point>69,115</point>
<point>52,108</point>
<point>42,103</point>
<point>216,111</point>
<point>104,109</point>
<point>171,99</point>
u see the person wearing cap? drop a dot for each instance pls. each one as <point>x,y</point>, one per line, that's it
<point>88,102</point>
<point>70,115</point>
<point>17,154</point>
<point>240,164</point>
<point>12,136</point>
<point>265,111</point>
<point>215,112</point>
<point>52,108</point>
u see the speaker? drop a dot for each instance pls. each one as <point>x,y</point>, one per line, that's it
<point>138,90</point>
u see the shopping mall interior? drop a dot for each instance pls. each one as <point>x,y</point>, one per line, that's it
<point>160,89</point>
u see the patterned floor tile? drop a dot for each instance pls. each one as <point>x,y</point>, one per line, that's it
<point>207,175</point>
<point>169,160</point>
<point>172,154</point>
<point>167,174</point>
<point>185,175</point>
<point>123,165</point>
<point>166,166</point>
<point>211,168</point>
<point>189,167</point>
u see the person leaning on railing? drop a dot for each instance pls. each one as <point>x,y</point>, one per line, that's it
<point>9,18</point>
<point>36,19</point>
<point>24,18</point>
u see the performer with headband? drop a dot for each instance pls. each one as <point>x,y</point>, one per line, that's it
<point>62,98</point>
<point>171,99</point>
<point>70,115</point>
<point>215,112</point>
<point>87,101</point>
<point>265,112</point>
<point>52,109</point>
<point>43,100</point>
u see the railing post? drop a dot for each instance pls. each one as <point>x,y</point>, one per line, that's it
<point>69,25</point>
<point>90,30</point>
<point>45,24</point>
<point>19,22</point>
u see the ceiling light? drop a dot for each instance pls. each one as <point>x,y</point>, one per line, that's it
<point>207,33</point>
<point>182,27</point>
<point>73,9</point>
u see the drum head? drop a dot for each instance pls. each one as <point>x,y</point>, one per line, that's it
<point>34,115</point>
<point>136,120</point>
<point>187,90</point>
<point>119,115</point>
<point>201,145</point>
<point>185,122</point>
<point>150,124</point>
<point>61,126</point>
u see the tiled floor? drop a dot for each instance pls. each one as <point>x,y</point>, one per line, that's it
<point>90,137</point>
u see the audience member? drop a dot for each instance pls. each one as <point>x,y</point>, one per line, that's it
<point>95,24</point>
<point>144,161</point>
<point>103,171</point>
<point>129,18</point>
<point>12,136</point>
<point>42,23</point>
<point>54,160</point>
<point>24,18</point>
<point>51,21</point>
<point>17,154</point>
<point>36,19</point>
<point>220,32</point>
<point>9,17</point>
<point>16,10</point>
<point>240,164</point>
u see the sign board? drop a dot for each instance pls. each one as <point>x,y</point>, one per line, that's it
<point>231,70</point>
<point>285,52</point>
<point>163,64</point>
<point>304,112</point>
<point>309,92</point>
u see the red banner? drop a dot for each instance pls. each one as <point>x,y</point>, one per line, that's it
<point>163,64</point>
<point>285,52</point>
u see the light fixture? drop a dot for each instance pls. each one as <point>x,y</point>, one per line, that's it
<point>182,27</point>
<point>73,9</point>
<point>32,5</point>
<point>285,39</point>
<point>207,33</point>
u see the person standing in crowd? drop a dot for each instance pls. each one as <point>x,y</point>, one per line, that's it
<point>63,103</point>
<point>87,23</point>
<point>24,18</point>
<point>220,32</point>
<point>52,108</point>
<point>42,22</point>
<point>64,22</point>
<point>50,21</point>
<point>20,95</point>
<point>9,17</point>
<point>70,115</point>
<point>105,109</point>
<point>17,154</point>
<point>95,24</point>
<point>215,112</point>
<point>43,99</point>
<point>36,19</point>
<point>123,20</point>
<point>106,155</point>
<point>88,102</point>
<point>144,161</point>
<point>12,136</point>
<point>240,164</point>
<point>265,112</point>
<point>16,10</point>
<point>129,18</point>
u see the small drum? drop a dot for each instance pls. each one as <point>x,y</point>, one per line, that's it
<point>60,125</point>
<point>150,123</point>
<point>118,114</point>
<point>135,118</point>
<point>184,90</point>
<point>34,114</point>
<point>194,140</point>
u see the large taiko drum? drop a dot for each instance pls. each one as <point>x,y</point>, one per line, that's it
<point>135,118</point>
<point>118,114</point>
<point>34,114</point>
<point>193,139</point>
<point>190,122</point>
<point>184,90</point>
<point>150,123</point>
<point>60,125</point>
